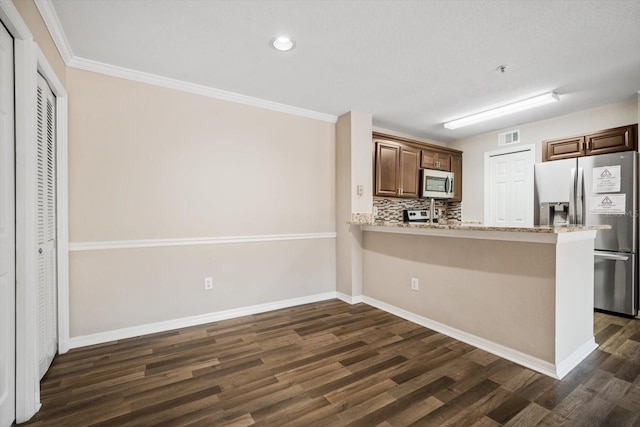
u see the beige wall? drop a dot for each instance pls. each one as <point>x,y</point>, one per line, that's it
<point>152,163</point>
<point>361,163</point>
<point>353,167</point>
<point>406,135</point>
<point>147,162</point>
<point>41,36</point>
<point>490,289</point>
<point>115,289</point>
<point>582,122</point>
<point>344,238</point>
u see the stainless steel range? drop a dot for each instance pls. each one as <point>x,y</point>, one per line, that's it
<point>421,216</point>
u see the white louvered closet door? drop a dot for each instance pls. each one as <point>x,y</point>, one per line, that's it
<point>47,284</point>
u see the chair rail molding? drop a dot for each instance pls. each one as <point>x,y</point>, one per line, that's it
<point>191,241</point>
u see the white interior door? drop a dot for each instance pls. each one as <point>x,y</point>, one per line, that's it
<point>46,227</point>
<point>7,235</point>
<point>509,200</point>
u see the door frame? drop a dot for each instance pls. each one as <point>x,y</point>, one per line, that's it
<point>530,148</point>
<point>29,60</point>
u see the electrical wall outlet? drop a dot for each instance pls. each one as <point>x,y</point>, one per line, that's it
<point>415,284</point>
<point>375,211</point>
<point>208,283</point>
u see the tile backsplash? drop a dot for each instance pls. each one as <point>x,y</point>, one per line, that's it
<point>390,210</point>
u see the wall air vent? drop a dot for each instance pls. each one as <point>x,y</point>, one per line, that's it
<point>507,138</point>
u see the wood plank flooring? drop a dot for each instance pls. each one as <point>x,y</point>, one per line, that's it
<point>333,364</point>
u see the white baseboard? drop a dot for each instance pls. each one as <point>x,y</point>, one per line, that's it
<point>555,371</point>
<point>151,328</point>
<point>570,362</point>
<point>348,298</point>
<point>518,357</point>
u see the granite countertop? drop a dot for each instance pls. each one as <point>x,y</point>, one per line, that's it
<point>479,227</point>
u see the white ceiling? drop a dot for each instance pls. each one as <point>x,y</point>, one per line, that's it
<point>412,64</point>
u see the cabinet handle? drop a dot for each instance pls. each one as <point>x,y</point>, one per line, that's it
<point>399,191</point>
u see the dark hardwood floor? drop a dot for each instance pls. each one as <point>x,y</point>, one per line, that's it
<point>332,364</point>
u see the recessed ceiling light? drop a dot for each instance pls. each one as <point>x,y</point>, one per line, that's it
<point>283,43</point>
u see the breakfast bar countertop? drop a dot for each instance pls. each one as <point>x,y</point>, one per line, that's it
<point>479,227</point>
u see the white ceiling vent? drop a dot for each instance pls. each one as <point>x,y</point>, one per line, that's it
<point>511,137</point>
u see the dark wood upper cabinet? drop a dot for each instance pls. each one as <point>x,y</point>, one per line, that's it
<point>387,169</point>
<point>435,160</point>
<point>397,170</point>
<point>397,164</point>
<point>606,141</point>
<point>563,148</point>
<point>612,140</point>
<point>456,169</point>
<point>409,172</point>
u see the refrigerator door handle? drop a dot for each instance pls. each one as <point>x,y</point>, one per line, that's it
<point>572,197</point>
<point>579,196</point>
<point>612,256</point>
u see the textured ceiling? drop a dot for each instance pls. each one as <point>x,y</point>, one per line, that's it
<point>412,64</point>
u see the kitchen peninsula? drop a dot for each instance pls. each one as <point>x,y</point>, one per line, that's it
<point>525,294</point>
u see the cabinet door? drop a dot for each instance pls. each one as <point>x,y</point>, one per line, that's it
<point>563,148</point>
<point>387,169</point>
<point>409,185</point>
<point>428,159</point>
<point>443,162</point>
<point>434,160</point>
<point>611,141</point>
<point>456,168</point>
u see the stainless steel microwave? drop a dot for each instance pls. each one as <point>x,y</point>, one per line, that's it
<point>436,184</point>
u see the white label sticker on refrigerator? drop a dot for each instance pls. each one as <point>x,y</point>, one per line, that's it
<point>604,204</point>
<point>606,179</point>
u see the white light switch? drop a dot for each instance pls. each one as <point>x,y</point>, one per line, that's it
<point>359,190</point>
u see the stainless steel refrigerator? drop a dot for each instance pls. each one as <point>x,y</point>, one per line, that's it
<point>595,190</point>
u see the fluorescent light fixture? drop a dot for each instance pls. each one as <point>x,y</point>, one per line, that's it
<point>503,111</point>
<point>283,43</point>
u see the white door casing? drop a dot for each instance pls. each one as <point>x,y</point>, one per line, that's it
<point>7,234</point>
<point>46,227</point>
<point>509,187</point>
<point>29,61</point>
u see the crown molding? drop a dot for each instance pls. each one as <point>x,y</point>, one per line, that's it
<point>50,17</point>
<point>166,82</point>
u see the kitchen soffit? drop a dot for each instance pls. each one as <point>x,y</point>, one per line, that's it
<point>412,64</point>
